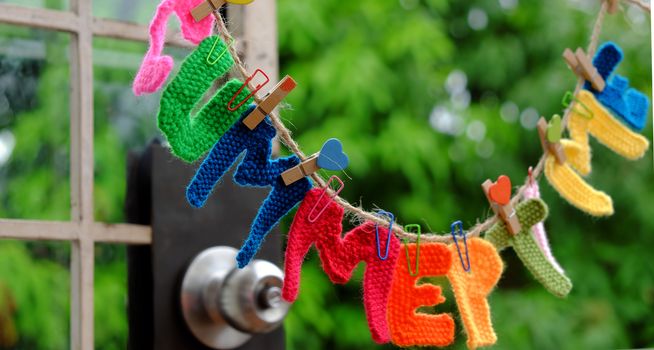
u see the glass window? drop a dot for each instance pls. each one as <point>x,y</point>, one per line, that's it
<point>34,124</point>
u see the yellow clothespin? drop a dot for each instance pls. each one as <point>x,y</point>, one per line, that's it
<point>583,67</point>
<point>206,7</point>
<point>274,97</point>
<point>499,197</point>
<point>550,137</point>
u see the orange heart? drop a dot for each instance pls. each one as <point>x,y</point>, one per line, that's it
<point>500,191</point>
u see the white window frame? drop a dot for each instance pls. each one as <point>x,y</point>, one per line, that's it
<point>256,31</point>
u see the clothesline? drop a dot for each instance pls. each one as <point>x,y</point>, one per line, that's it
<point>285,137</point>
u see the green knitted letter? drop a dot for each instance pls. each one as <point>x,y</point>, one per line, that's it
<point>529,213</point>
<point>191,137</point>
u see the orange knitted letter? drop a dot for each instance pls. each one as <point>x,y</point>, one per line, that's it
<point>408,327</point>
<point>471,288</point>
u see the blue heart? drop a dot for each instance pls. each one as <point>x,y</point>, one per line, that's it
<point>331,156</point>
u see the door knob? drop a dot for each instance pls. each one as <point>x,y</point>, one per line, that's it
<point>223,305</point>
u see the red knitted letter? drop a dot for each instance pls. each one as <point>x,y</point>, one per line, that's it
<point>340,256</point>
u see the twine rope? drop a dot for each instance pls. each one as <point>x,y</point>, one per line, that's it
<point>357,213</point>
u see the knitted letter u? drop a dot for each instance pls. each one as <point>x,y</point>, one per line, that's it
<point>340,255</point>
<point>191,137</point>
<point>256,169</point>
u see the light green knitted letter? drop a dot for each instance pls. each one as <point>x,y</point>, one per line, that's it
<point>529,213</point>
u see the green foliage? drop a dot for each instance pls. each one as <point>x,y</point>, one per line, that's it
<point>371,73</point>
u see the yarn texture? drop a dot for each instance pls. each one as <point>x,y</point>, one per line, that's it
<point>606,129</point>
<point>575,190</point>
<point>538,231</point>
<point>340,255</point>
<point>628,104</point>
<point>256,169</point>
<point>190,137</point>
<point>408,327</point>
<point>156,67</point>
<point>471,289</point>
<point>531,212</point>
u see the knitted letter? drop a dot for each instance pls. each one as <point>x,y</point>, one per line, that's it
<point>191,137</point>
<point>155,67</point>
<point>629,104</point>
<point>538,231</point>
<point>340,256</point>
<point>256,169</point>
<point>605,128</point>
<point>571,186</point>
<point>471,288</point>
<point>530,212</point>
<point>408,326</point>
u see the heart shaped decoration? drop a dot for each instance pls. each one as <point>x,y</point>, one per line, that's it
<point>331,156</point>
<point>500,191</point>
<point>554,129</point>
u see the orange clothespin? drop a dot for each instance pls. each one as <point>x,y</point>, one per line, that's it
<point>274,97</point>
<point>499,197</point>
<point>205,8</point>
<point>582,66</point>
<point>550,137</point>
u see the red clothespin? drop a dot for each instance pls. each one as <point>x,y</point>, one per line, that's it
<point>582,66</point>
<point>499,197</point>
<point>274,97</point>
<point>550,137</point>
<point>230,106</point>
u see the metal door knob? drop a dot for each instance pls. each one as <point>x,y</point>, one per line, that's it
<point>223,305</point>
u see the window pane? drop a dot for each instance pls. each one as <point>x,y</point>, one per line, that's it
<point>138,11</point>
<point>110,296</point>
<point>34,124</point>
<point>34,295</point>
<point>49,4</point>
<point>123,121</point>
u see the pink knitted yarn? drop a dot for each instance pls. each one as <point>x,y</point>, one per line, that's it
<point>155,68</point>
<point>340,255</point>
<point>538,231</point>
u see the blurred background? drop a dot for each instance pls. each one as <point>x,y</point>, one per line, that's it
<point>430,98</point>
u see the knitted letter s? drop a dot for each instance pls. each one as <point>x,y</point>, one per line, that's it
<point>408,327</point>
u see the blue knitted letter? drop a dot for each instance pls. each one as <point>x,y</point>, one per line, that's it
<point>256,169</point>
<point>628,104</point>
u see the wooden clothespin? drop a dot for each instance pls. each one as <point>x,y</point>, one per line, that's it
<point>274,97</point>
<point>613,6</point>
<point>499,197</point>
<point>206,7</point>
<point>301,170</point>
<point>550,137</point>
<point>330,157</point>
<point>582,66</point>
